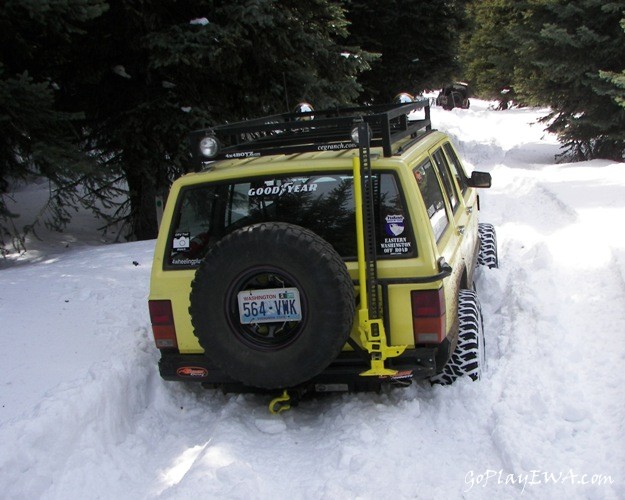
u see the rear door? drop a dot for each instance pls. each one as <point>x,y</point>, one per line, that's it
<point>445,208</point>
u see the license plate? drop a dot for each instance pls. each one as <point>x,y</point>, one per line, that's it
<point>269,306</point>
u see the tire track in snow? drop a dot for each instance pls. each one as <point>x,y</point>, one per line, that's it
<point>80,422</point>
<point>186,440</point>
<point>558,343</point>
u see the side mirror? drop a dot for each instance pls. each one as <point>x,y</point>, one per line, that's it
<point>480,180</point>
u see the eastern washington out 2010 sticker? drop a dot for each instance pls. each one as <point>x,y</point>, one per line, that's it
<point>394,243</point>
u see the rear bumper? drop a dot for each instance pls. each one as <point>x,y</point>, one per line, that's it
<point>343,374</point>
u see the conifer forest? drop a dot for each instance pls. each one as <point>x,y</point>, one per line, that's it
<point>97,96</point>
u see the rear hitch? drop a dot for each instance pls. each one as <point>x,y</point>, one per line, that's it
<point>280,403</point>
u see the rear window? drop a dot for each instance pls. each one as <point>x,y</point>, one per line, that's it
<point>322,203</point>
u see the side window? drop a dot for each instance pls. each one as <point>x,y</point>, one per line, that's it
<point>456,167</point>
<point>432,197</point>
<point>450,187</point>
<point>191,232</point>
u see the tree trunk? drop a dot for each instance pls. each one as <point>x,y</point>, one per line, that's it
<point>142,193</point>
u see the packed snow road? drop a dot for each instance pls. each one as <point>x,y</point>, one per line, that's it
<point>85,414</point>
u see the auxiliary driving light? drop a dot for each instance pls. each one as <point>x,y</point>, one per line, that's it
<point>209,146</point>
<point>355,135</point>
<point>306,109</point>
<point>403,98</point>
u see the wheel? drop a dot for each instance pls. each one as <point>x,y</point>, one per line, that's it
<point>251,277</point>
<point>488,246</point>
<point>468,359</point>
<point>456,99</point>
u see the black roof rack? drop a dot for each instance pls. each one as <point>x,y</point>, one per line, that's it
<point>323,130</point>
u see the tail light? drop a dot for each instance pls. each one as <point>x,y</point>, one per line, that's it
<point>163,327</point>
<point>428,316</point>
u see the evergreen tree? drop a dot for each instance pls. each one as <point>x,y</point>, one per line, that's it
<point>150,71</point>
<point>563,48</point>
<point>417,43</point>
<point>488,55</point>
<point>617,80</point>
<point>36,139</point>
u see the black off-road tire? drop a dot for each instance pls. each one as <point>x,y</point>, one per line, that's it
<point>263,256</point>
<point>488,246</point>
<point>468,359</point>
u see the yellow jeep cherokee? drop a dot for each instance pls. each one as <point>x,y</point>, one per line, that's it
<point>322,250</point>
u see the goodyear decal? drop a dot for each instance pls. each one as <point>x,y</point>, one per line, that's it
<point>286,188</point>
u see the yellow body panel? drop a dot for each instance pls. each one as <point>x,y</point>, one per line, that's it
<point>175,285</point>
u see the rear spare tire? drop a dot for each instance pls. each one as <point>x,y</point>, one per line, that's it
<point>272,305</point>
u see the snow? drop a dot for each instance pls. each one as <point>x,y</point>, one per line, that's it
<point>86,415</point>
<point>202,21</point>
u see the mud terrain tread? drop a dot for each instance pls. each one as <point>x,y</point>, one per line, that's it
<point>488,246</point>
<point>467,358</point>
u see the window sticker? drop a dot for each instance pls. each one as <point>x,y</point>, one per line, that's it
<point>394,243</point>
<point>185,261</point>
<point>286,188</point>
<point>394,225</point>
<point>182,241</point>
<point>395,246</point>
